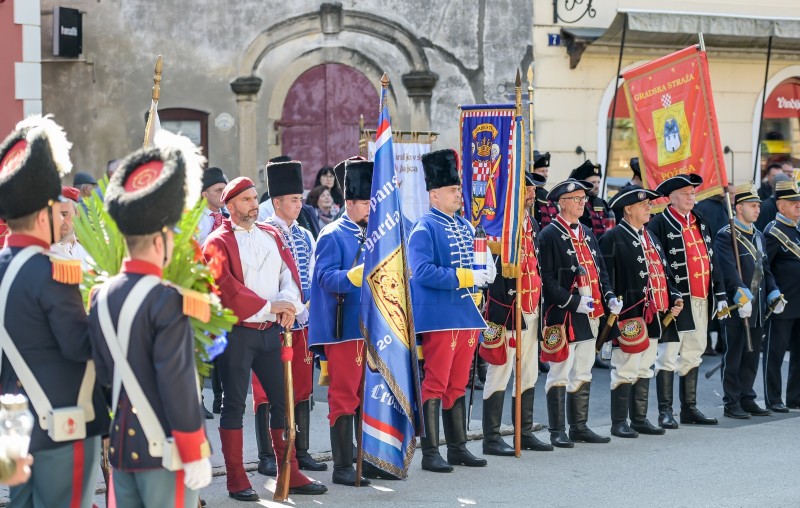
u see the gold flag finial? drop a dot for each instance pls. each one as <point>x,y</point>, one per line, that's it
<point>385,80</point>
<point>530,77</point>
<point>157,78</point>
<point>518,92</point>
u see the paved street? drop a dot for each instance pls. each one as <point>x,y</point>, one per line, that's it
<point>738,463</point>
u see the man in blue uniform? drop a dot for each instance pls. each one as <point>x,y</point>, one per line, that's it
<point>783,331</point>
<point>45,338</point>
<point>143,342</point>
<point>739,367</point>
<point>445,299</point>
<point>333,329</point>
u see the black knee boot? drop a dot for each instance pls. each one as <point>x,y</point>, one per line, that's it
<point>578,415</point>
<point>493,443</point>
<point>266,455</point>
<point>342,450</point>
<point>619,412</point>
<point>688,392</point>
<point>529,440</point>
<point>302,416</point>
<point>431,459</point>
<point>555,416</point>
<point>664,392</point>
<point>454,421</point>
<point>638,408</point>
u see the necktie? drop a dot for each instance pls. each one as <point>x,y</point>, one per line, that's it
<point>217,216</point>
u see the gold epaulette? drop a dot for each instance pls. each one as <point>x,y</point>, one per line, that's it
<point>66,271</point>
<point>195,304</point>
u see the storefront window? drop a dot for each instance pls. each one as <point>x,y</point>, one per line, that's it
<point>624,146</point>
<point>780,130</point>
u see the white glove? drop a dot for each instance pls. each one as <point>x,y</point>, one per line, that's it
<point>615,306</point>
<point>586,306</point>
<point>302,318</point>
<point>482,277</point>
<point>720,307</point>
<point>779,307</point>
<point>746,310</point>
<point>197,474</point>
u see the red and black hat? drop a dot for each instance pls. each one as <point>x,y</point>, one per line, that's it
<point>284,178</point>
<point>33,159</point>
<point>152,186</point>
<point>441,169</point>
<point>357,179</point>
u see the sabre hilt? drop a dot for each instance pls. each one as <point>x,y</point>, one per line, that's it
<point>774,305</point>
<point>726,312</point>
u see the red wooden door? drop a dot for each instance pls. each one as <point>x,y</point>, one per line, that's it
<point>319,122</point>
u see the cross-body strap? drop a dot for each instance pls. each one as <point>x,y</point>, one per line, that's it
<point>117,341</point>
<point>34,390</point>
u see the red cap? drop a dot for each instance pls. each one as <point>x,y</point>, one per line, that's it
<point>71,193</point>
<point>236,187</point>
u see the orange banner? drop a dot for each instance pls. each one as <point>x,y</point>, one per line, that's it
<point>675,120</point>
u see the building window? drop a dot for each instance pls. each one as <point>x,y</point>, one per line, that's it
<point>780,129</point>
<point>189,122</point>
<point>624,145</point>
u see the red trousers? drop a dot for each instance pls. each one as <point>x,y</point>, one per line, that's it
<point>448,356</point>
<point>346,371</point>
<point>302,369</point>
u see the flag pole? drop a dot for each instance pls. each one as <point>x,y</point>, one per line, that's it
<point>155,96</point>
<point>518,299</point>
<point>530,115</point>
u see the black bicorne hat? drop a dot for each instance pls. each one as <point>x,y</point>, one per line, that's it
<point>541,160</point>
<point>635,167</point>
<point>670,185</point>
<point>585,170</point>
<point>630,195</point>
<point>357,179</point>
<point>567,186</point>
<point>441,169</point>
<point>284,178</point>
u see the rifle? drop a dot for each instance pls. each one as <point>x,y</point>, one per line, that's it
<point>284,473</point>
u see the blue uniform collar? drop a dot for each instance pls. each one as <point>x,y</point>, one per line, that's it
<point>744,228</point>
<point>783,219</point>
<point>438,213</point>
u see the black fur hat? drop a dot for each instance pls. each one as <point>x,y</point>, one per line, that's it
<point>33,159</point>
<point>213,176</point>
<point>284,178</point>
<point>152,186</point>
<point>357,179</point>
<point>441,169</point>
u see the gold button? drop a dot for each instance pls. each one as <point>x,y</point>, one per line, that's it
<point>111,449</point>
<point>116,427</point>
<point>131,432</point>
<point>133,410</point>
<point>135,456</point>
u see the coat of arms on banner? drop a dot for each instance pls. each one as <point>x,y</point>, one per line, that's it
<point>486,159</point>
<point>672,132</point>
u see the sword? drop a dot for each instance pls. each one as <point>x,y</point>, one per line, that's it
<point>669,318</point>
<point>602,338</point>
<point>726,312</point>
<point>773,306</point>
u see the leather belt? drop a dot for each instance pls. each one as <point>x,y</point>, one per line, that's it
<point>257,326</point>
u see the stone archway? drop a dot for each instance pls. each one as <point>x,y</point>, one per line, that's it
<point>281,53</point>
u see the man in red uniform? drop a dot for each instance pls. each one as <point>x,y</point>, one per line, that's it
<point>258,280</point>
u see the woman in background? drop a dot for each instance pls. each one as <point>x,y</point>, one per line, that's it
<point>321,200</point>
<point>327,178</point>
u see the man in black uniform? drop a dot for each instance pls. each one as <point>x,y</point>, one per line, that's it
<point>739,366</point>
<point>783,331</point>
<point>597,216</point>
<point>544,210</point>
<point>45,338</point>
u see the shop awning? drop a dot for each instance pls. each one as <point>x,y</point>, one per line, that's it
<point>679,29</point>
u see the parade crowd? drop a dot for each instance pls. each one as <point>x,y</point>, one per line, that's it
<point>592,271</point>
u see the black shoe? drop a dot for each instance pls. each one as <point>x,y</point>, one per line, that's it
<point>267,465</point>
<point>202,502</point>
<point>793,405</point>
<point>431,459</point>
<point>529,441</point>
<point>664,392</point>
<point>735,411</point>
<point>478,384</point>
<point>688,393</point>
<point>310,489</point>
<point>244,495</point>
<point>493,443</point>
<point>619,412</point>
<point>342,450</point>
<point>640,392</point>
<point>208,415</point>
<point>578,414</point>
<point>754,409</point>
<point>302,414</point>
<point>599,363</point>
<point>780,407</point>
<point>555,415</point>
<point>370,471</point>
<point>544,367</point>
<point>454,421</point>
<point>710,351</point>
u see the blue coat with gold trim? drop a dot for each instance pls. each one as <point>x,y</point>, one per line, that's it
<point>785,264</point>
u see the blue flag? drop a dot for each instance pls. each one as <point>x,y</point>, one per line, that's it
<point>391,386</point>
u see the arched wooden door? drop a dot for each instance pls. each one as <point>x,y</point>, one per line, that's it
<point>319,122</point>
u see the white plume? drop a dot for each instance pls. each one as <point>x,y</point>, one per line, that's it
<point>192,156</point>
<point>56,137</point>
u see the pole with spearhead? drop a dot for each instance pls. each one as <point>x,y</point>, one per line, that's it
<point>154,104</point>
<point>518,300</point>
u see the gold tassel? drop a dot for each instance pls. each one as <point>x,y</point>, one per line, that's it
<point>67,271</point>
<point>495,247</point>
<point>511,271</point>
<point>196,305</point>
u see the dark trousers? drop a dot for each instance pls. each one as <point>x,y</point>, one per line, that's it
<point>259,351</point>
<point>782,335</point>
<point>739,368</point>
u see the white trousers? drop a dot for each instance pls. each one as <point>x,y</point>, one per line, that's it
<point>627,367</point>
<point>497,375</point>
<point>683,356</point>
<point>577,368</point>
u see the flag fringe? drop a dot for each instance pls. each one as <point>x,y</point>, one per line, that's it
<point>511,271</point>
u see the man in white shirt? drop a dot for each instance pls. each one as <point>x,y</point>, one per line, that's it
<point>214,183</point>
<point>258,280</point>
<point>67,245</point>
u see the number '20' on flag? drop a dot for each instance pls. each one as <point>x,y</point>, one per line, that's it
<point>675,120</point>
<point>391,385</point>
